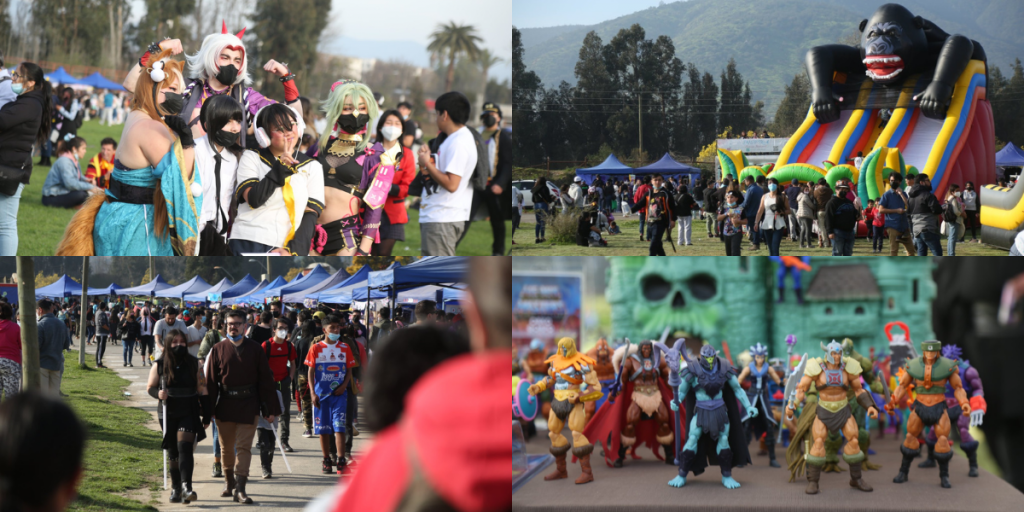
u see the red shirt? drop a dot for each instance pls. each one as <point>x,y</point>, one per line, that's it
<point>10,341</point>
<point>279,355</point>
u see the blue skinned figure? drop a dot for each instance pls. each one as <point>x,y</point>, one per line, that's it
<point>710,389</point>
<point>792,265</point>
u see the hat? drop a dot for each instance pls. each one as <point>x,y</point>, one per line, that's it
<point>490,106</point>
<point>931,346</point>
<point>842,184</point>
<point>577,179</point>
<point>319,315</point>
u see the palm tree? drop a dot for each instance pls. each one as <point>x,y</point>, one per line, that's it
<point>451,40</point>
<point>486,60</point>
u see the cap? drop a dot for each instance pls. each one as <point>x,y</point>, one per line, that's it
<point>842,184</point>
<point>931,346</point>
<point>319,315</point>
<point>577,179</point>
<point>490,106</point>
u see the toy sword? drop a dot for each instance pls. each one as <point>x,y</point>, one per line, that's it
<point>790,393</point>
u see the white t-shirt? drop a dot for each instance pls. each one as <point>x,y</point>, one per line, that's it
<point>857,162</point>
<point>457,155</point>
<point>195,335</point>
<point>228,170</point>
<point>161,328</point>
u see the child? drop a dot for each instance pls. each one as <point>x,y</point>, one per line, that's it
<point>869,219</point>
<point>877,225</point>
<point>733,219</point>
<point>614,228</point>
<point>267,441</point>
<point>329,363</point>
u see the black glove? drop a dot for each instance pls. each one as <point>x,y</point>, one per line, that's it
<point>262,190</point>
<point>207,406</point>
<point>180,128</point>
<point>299,245</point>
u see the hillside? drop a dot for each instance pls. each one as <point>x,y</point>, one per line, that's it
<point>768,38</point>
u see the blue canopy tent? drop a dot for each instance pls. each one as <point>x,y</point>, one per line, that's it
<point>113,289</point>
<point>100,82</point>
<point>313,278</point>
<point>668,167</point>
<point>221,287</point>
<point>149,289</point>
<point>314,288</point>
<point>63,287</point>
<point>195,285</point>
<point>342,293</point>
<point>429,270</point>
<point>358,277</point>
<point>1010,156</point>
<point>610,167</point>
<point>245,286</point>
<point>248,296</point>
<point>59,76</point>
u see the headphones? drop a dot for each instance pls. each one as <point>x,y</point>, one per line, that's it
<point>261,135</point>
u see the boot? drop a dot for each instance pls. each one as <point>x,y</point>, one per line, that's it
<point>187,494</point>
<point>267,472</point>
<point>286,447</point>
<point>930,461</point>
<point>240,496</point>
<point>971,449</point>
<point>771,456</point>
<point>583,452</point>
<point>813,475</point>
<point>670,458</point>
<point>622,456</point>
<point>782,295</point>
<point>799,295</point>
<point>943,460</point>
<point>856,480</point>
<point>229,483</point>
<point>559,471</point>
<point>725,462</point>
<point>217,470</point>
<point>908,457</point>
<point>175,483</point>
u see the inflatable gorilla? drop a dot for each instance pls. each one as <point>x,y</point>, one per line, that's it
<point>893,45</point>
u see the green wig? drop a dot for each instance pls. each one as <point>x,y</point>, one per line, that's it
<point>332,107</point>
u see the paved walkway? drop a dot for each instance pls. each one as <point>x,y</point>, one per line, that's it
<point>285,491</point>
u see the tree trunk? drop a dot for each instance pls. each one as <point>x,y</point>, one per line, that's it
<point>29,337</point>
<point>483,93</point>
<point>113,35</point>
<point>451,74</point>
<point>85,309</point>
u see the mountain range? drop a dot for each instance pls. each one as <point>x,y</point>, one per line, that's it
<point>769,38</point>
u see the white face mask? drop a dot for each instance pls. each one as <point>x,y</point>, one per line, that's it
<point>282,333</point>
<point>957,194</point>
<point>391,132</point>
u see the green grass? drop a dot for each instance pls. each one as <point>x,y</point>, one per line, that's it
<point>121,453</point>
<point>40,228</point>
<point>629,243</point>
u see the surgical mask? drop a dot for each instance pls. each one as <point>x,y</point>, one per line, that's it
<point>234,337</point>
<point>772,187</point>
<point>180,352</point>
<point>732,205</point>
<point>405,118</point>
<point>224,138</point>
<point>17,88</point>
<point>333,336</point>
<point>490,121</point>
<point>202,319</point>
<point>350,123</point>
<point>227,74</point>
<point>282,333</point>
<point>173,103</point>
<point>956,194</point>
<point>391,132</point>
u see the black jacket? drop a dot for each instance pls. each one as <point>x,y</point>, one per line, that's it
<point>503,172</point>
<point>19,124</point>
<point>665,206</point>
<point>684,204</point>
<point>840,213</point>
<point>923,209</point>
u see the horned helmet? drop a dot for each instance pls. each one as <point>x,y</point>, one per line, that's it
<point>566,347</point>
<point>847,347</point>
<point>833,348</point>
<point>759,351</point>
<point>708,354</point>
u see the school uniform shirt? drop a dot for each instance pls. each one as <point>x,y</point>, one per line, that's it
<point>457,155</point>
<point>195,335</point>
<point>206,163</point>
<point>330,363</point>
<point>280,355</point>
<point>274,222</point>
<point>242,366</point>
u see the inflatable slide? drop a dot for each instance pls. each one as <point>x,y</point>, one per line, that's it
<point>1002,214</point>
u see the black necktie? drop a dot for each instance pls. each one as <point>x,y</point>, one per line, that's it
<point>220,211</point>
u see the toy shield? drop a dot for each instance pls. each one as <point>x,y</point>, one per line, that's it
<point>524,405</point>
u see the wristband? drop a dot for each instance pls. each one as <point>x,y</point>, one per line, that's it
<point>287,78</point>
<point>144,60</point>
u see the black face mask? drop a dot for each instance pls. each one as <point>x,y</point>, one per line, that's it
<point>350,123</point>
<point>173,103</point>
<point>226,74</point>
<point>180,353</point>
<point>490,121</point>
<point>894,184</point>
<point>225,139</point>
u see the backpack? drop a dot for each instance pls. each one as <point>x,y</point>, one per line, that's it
<point>482,173</point>
<point>266,348</point>
<point>948,214</point>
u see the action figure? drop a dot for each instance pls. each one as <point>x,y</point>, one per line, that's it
<point>710,390</point>
<point>568,370</point>
<point>875,386</point>
<point>758,372</point>
<point>792,265</point>
<point>833,376</point>
<point>929,374</point>
<point>972,386</point>
<point>642,414</point>
<point>538,371</point>
<point>602,355</point>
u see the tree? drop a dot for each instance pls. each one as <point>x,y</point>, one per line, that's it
<point>376,262</point>
<point>526,87</point>
<point>593,97</point>
<point>450,41</point>
<point>1005,96</point>
<point>29,338</point>
<point>162,19</point>
<point>735,109</point>
<point>288,31</point>
<point>486,60</point>
<point>793,108</point>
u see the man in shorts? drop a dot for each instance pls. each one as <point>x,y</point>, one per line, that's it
<point>329,362</point>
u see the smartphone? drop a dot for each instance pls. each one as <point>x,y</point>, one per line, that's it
<point>433,158</point>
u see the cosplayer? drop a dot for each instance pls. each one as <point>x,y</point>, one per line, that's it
<point>972,386</point>
<point>833,376</point>
<point>357,175</point>
<point>643,413</point>
<point>792,265</point>
<point>757,373</point>
<point>177,380</point>
<point>929,374</point>
<point>568,370</point>
<point>709,388</point>
<point>152,204</point>
<point>217,156</point>
<point>101,165</point>
<point>602,355</point>
<point>221,66</point>
<point>280,190</point>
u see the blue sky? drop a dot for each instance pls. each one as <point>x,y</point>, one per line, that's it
<point>545,13</point>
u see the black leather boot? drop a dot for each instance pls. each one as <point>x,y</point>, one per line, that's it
<point>908,457</point>
<point>670,456</point>
<point>943,460</point>
<point>771,454</point>
<point>782,295</point>
<point>930,461</point>
<point>971,449</point>
<point>240,496</point>
<point>175,482</point>
<point>622,456</point>
<point>229,483</point>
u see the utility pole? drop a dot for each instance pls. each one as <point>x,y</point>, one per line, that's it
<point>151,274</point>
<point>27,311</point>
<point>268,269</point>
<point>85,308</point>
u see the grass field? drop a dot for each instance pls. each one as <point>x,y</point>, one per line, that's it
<point>121,453</point>
<point>40,227</point>
<point>629,244</point>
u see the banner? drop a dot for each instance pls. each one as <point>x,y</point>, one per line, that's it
<point>546,307</point>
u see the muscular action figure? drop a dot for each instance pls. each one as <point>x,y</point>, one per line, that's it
<point>757,373</point>
<point>972,386</point>
<point>602,356</point>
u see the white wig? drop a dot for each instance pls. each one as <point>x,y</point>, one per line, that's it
<point>203,64</point>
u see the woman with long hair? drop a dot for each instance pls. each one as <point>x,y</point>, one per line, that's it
<point>394,217</point>
<point>357,173</point>
<point>152,205</point>
<point>177,380</point>
<point>771,216</point>
<point>24,123</point>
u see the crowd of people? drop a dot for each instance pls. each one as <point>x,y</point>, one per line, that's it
<point>236,370</point>
<point>206,165</point>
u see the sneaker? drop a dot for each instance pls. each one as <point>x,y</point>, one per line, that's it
<point>267,473</point>
<point>327,466</point>
<point>307,433</point>
<point>344,470</point>
<point>334,460</point>
<point>217,471</point>
<point>124,365</point>
<point>130,365</point>
<point>285,447</point>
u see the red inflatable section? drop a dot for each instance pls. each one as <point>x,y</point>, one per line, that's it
<point>976,161</point>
